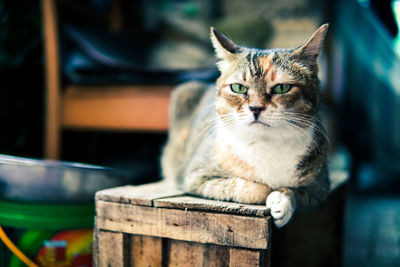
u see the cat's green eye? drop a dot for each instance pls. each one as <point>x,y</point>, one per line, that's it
<point>238,88</point>
<point>281,88</point>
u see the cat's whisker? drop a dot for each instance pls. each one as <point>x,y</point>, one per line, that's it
<point>310,140</point>
<point>307,116</point>
<point>212,128</point>
<point>306,120</point>
<point>231,125</point>
<point>321,129</point>
<point>212,123</point>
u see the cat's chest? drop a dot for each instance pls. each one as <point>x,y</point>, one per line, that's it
<point>272,162</point>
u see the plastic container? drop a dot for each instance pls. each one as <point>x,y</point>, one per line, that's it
<point>47,209</point>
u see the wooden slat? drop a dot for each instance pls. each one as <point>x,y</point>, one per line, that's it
<point>196,226</point>
<point>142,195</point>
<point>116,107</point>
<point>186,254</point>
<point>243,257</point>
<point>52,79</point>
<point>193,254</point>
<point>112,249</point>
<point>146,251</point>
<point>195,203</point>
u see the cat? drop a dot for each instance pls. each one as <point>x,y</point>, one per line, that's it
<point>255,136</point>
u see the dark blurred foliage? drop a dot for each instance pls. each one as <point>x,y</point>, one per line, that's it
<point>21,109</point>
<point>21,78</point>
<point>20,27</point>
<point>383,10</point>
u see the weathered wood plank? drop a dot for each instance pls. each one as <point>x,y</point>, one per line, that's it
<point>243,257</point>
<point>111,249</point>
<point>146,251</point>
<point>217,256</point>
<point>193,254</point>
<point>185,254</point>
<point>142,195</point>
<point>197,226</point>
<point>195,203</point>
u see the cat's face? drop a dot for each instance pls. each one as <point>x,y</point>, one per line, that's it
<point>264,89</point>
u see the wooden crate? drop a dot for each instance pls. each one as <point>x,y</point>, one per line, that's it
<point>157,225</point>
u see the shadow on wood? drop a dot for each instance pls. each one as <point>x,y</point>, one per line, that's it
<point>312,238</point>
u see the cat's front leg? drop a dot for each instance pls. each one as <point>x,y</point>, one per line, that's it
<point>285,201</point>
<point>281,206</point>
<point>249,192</point>
<point>226,188</point>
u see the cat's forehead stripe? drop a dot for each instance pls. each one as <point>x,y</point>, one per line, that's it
<point>249,60</point>
<point>253,63</point>
<point>273,75</point>
<point>266,65</point>
<point>284,64</point>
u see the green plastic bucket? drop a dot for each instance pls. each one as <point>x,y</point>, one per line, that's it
<point>33,224</point>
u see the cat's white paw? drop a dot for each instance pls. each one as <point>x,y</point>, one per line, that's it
<point>281,208</point>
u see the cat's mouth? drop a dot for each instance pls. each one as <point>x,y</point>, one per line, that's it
<point>260,123</point>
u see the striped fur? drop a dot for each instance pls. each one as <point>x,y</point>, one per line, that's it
<point>219,149</point>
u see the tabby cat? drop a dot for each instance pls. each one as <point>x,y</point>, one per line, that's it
<point>255,136</point>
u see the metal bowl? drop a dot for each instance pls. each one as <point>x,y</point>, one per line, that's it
<point>33,180</point>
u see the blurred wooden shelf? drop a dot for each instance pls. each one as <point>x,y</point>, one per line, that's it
<point>116,107</point>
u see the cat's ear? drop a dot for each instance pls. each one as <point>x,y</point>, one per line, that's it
<point>310,50</point>
<point>224,47</point>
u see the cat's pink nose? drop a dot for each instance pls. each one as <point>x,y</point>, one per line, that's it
<point>256,111</point>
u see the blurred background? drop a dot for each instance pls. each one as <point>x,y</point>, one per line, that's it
<point>88,81</point>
